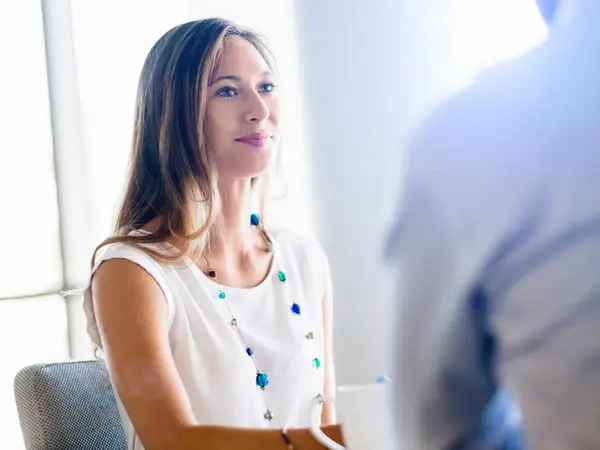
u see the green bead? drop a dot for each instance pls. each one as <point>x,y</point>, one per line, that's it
<point>316,363</point>
<point>281,276</point>
<point>222,295</point>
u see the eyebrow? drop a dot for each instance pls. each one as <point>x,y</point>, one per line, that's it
<point>236,78</point>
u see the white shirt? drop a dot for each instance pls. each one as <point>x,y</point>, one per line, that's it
<point>497,242</point>
<point>217,373</point>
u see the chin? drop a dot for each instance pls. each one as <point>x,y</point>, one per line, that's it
<point>257,162</point>
<point>246,162</point>
<point>252,170</point>
<point>259,171</point>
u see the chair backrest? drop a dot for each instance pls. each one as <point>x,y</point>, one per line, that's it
<point>68,406</point>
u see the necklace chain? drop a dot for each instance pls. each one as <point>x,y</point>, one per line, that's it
<point>261,378</point>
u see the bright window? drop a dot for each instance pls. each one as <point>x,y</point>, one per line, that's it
<point>33,326</point>
<point>32,255</point>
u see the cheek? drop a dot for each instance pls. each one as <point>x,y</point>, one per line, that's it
<point>216,121</point>
<point>273,105</point>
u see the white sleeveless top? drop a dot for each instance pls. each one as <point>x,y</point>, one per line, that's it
<point>218,375</point>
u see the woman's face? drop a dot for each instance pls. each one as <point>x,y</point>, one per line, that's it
<point>242,112</point>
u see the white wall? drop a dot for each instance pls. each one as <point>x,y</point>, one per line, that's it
<point>372,69</point>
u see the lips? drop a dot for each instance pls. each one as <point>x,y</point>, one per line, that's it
<point>256,139</point>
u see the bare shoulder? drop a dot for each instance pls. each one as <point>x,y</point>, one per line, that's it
<point>123,277</point>
<point>127,300</point>
<point>127,275</point>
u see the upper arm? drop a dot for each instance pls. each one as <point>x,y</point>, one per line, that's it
<point>322,277</point>
<point>132,316</point>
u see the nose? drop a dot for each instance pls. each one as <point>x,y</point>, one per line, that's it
<point>257,110</point>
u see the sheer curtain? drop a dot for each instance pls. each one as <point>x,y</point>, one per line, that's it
<point>32,317</point>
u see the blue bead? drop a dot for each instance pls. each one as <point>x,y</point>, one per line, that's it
<point>262,380</point>
<point>296,308</point>
<point>254,219</point>
<point>222,295</point>
<point>249,351</point>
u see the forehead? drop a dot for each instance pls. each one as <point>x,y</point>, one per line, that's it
<point>238,57</point>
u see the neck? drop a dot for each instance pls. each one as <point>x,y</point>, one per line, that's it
<point>234,237</point>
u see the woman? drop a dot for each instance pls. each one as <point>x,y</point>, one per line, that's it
<point>216,331</point>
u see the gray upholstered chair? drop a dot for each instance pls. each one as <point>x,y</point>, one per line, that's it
<point>68,406</point>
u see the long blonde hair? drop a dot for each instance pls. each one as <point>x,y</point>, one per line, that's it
<point>171,176</point>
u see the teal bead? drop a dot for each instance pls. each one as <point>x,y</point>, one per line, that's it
<point>282,276</point>
<point>316,363</point>
<point>262,380</point>
<point>222,295</point>
<point>254,220</point>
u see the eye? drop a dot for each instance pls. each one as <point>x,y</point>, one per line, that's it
<point>226,91</point>
<point>265,88</point>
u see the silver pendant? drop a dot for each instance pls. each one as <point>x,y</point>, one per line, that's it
<point>269,415</point>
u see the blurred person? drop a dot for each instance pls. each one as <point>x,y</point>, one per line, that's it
<point>216,330</point>
<point>497,246</point>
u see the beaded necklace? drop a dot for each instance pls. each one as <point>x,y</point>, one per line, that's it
<point>261,378</point>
